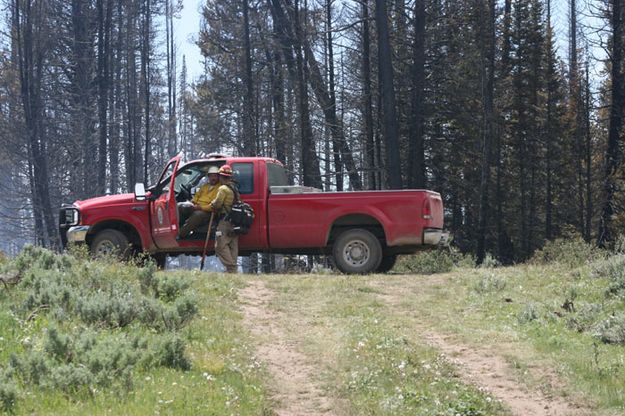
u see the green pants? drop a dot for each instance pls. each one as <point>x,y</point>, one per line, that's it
<point>196,220</point>
<point>227,246</point>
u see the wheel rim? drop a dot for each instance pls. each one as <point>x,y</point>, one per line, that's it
<point>105,248</point>
<point>356,253</point>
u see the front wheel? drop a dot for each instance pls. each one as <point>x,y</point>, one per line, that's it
<point>109,243</point>
<point>357,251</point>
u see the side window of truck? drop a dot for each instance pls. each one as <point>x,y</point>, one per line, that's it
<point>276,175</point>
<point>244,177</point>
<point>164,181</point>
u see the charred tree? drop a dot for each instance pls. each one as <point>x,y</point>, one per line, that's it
<point>416,150</point>
<point>617,105</point>
<point>387,92</point>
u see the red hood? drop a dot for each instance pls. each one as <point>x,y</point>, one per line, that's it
<point>106,201</point>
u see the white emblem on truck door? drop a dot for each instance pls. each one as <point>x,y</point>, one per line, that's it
<point>159,215</point>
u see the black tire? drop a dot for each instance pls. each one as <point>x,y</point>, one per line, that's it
<point>109,243</point>
<point>387,263</point>
<point>357,251</point>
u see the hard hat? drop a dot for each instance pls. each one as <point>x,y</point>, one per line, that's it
<point>225,170</point>
<point>212,169</point>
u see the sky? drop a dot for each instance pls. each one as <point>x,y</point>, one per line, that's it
<point>186,31</point>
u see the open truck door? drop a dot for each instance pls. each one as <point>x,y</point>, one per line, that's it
<point>163,208</point>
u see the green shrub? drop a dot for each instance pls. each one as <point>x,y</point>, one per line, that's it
<point>58,345</point>
<point>174,317</point>
<point>490,283</point>
<point>113,359</point>
<point>612,268</point>
<point>529,313</point>
<point>35,257</point>
<point>616,288</point>
<point>572,252</point>
<point>619,244</point>
<point>489,262</point>
<point>168,288</point>
<point>47,289</point>
<point>68,378</point>
<point>88,360</point>
<point>117,307</point>
<point>8,396</point>
<point>151,312</point>
<point>30,367</point>
<point>612,330</point>
<point>583,319</point>
<point>170,352</point>
<point>86,343</point>
<point>79,251</point>
<point>146,278</point>
<point>434,261</point>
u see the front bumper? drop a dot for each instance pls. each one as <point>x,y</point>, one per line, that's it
<point>436,237</point>
<point>77,234</point>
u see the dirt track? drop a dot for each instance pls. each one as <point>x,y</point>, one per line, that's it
<point>297,390</point>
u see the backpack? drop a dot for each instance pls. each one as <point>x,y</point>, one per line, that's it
<point>241,215</point>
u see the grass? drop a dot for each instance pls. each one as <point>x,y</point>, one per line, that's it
<point>174,342</point>
<point>173,345</point>
<point>371,362</point>
<point>527,310</point>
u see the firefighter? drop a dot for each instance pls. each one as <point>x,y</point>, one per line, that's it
<point>200,212</point>
<point>226,241</point>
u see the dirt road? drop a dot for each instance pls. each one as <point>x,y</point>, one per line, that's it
<point>297,388</point>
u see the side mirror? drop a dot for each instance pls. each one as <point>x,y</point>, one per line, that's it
<point>139,192</point>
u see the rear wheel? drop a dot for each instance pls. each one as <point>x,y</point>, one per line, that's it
<point>357,251</point>
<point>110,243</point>
<point>387,263</point>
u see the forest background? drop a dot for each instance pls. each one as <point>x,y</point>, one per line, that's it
<point>518,126</point>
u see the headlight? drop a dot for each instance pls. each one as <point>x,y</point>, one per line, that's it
<point>71,216</point>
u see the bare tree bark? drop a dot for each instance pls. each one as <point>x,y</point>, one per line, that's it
<point>588,156</point>
<point>505,71</point>
<point>145,74</point>
<point>277,100</point>
<point>315,78</point>
<point>249,141</point>
<point>487,68</point>
<point>104,53</point>
<point>29,25</point>
<point>576,106</point>
<point>336,147</point>
<point>116,101</point>
<point>171,79</point>
<point>309,161</point>
<point>387,87</point>
<point>367,106</point>
<point>133,119</point>
<point>416,150</point>
<point>549,136</point>
<point>615,125</point>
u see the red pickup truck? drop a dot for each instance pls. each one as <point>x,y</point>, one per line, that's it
<point>364,231</point>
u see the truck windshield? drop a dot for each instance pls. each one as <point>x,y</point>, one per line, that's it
<point>189,177</point>
<point>276,175</point>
